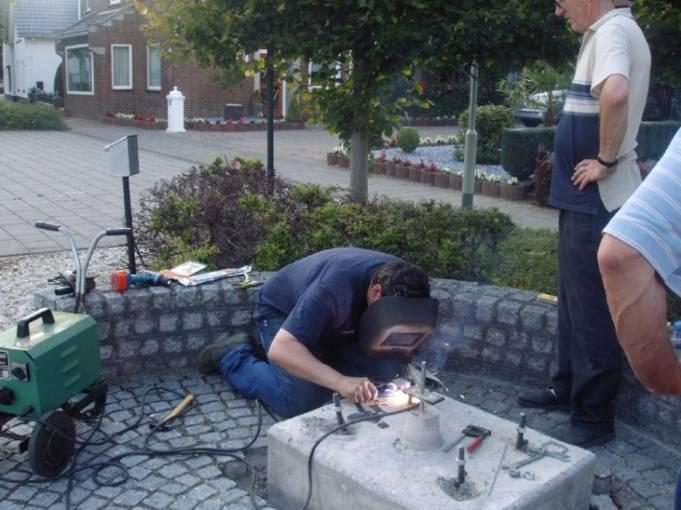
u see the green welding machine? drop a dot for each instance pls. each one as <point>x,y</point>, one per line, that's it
<point>50,372</point>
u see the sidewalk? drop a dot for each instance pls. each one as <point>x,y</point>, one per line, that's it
<point>63,177</point>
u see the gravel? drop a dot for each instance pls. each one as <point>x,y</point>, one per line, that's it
<point>441,155</point>
<point>22,276</point>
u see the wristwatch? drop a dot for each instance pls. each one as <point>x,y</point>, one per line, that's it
<point>607,164</point>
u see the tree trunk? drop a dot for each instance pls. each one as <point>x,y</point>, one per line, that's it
<point>359,181</point>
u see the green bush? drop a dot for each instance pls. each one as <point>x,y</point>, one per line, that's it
<point>654,138</point>
<point>491,120</point>
<point>528,259</point>
<point>519,149</point>
<point>408,139</point>
<point>294,111</point>
<point>223,216</point>
<point>29,116</point>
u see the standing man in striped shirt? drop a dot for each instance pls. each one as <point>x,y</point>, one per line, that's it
<point>594,173</point>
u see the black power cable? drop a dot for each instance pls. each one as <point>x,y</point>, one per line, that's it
<point>148,451</point>
<point>371,417</point>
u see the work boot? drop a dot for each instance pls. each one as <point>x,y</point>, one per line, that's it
<point>584,438</point>
<point>210,356</point>
<point>549,398</point>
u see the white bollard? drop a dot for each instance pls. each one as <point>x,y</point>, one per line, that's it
<point>175,111</point>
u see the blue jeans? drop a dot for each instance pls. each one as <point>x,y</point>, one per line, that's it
<point>287,395</point>
<point>677,495</point>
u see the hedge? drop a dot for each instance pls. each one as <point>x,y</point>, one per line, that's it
<point>519,146</point>
<point>29,116</point>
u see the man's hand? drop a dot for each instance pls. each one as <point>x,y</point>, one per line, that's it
<point>357,389</point>
<point>588,171</point>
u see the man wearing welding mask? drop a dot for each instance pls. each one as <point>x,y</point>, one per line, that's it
<point>339,320</point>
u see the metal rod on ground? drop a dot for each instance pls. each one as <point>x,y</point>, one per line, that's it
<point>521,442</point>
<point>128,223</point>
<point>461,461</point>
<point>270,120</point>
<point>471,143</point>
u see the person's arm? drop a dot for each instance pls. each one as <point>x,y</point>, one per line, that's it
<point>291,355</point>
<point>638,304</point>
<point>614,111</point>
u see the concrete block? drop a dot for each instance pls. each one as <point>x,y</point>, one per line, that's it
<point>370,468</point>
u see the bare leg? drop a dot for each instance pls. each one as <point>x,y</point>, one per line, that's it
<point>637,301</point>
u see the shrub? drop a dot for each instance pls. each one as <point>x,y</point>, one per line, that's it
<point>519,149</point>
<point>654,138</point>
<point>294,113</point>
<point>490,123</point>
<point>528,259</point>
<point>408,139</point>
<point>29,116</point>
<point>222,215</point>
<point>199,215</point>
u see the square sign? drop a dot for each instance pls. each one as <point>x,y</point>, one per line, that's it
<point>123,157</point>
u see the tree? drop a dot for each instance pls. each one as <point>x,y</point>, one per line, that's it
<point>660,20</point>
<point>373,42</point>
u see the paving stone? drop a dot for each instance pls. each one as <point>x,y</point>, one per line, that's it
<point>209,472</point>
<point>188,480</point>
<point>152,482</point>
<point>201,492</point>
<point>174,488</point>
<point>659,476</point>
<point>159,500</point>
<point>621,447</point>
<point>661,502</point>
<point>93,503</point>
<point>638,461</point>
<point>172,471</point>
<point>643,488</point>
<point>130,497</point>
<point>44,498</point>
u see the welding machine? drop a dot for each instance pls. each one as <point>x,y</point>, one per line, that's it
<point>50,371</point>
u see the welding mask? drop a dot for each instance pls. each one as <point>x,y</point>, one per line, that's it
<point>395,326</point>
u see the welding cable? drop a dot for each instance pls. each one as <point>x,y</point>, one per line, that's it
<point>114,462</point>
<point>370,417</point>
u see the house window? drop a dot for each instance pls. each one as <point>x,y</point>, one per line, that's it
<point>313,71</point>
<point>121,66</point>
<point>114,2</point>
<point>154,67</point>
<point>80,77</point>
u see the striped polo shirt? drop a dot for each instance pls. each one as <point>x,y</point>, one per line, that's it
<point>650,221</point>
<point>612,45</point>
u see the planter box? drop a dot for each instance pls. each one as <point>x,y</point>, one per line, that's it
<point>402,171</point>
<point>512,192</point>
<point>343,161</point>
<point>202,126</point>
<point>456,181</point>
<point>379,167</point>
<point>415,174</point>
<point>478,186</point>
<point>490,189</point>
<point>441,180</point>
<point>390,168</point>
<point>331,159</point>
<point>427,178</point>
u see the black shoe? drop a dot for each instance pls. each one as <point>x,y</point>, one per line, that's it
<point>210,356</point>
<point>584,438</point>
<point>548,398</point>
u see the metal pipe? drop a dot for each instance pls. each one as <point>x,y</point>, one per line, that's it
<point>461,462</point>
<point>339,410</point>
<point>471,143</point>
<point>521,442</point>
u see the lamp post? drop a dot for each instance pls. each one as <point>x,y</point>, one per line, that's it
<point>270,121</point>
<point>471,142</point>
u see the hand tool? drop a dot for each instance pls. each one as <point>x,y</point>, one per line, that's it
<point>179,409</point>
<point>496,473</point>
<point>122,280</point>
<point>469,431</point>
<point>473,445</point>
<point>535,455</point>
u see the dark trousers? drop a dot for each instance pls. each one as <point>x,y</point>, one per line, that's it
<point>589,356</point>
<point>255,377</point>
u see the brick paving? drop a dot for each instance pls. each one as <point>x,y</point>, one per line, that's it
<point>64,177</point>
<point>643,471</point>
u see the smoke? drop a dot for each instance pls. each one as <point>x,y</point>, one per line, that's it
<point>435,354</point>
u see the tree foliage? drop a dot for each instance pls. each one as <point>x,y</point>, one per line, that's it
<point>660,20</point>
<point>372,41</point>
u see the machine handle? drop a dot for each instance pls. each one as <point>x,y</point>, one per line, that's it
<point>47,226</point>
<point>118,231</point>
<point>22,324</point>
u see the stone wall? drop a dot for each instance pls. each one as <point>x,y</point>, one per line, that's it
<point>483,330</point>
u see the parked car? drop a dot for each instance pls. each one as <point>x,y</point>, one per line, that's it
<point>534,111</point>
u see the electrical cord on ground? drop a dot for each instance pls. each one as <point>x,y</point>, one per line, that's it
<point>370,417</point>
<point>114,462</point>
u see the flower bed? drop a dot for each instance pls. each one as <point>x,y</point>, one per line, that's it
<point>199,124</point>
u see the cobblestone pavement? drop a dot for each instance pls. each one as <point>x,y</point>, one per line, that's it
<point>63,177</point>
<point>642,471</point>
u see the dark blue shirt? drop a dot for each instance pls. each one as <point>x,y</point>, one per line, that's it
<point>323,295</point>
<point>577,138</point>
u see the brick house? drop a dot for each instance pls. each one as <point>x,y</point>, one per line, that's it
<point>111,67</point>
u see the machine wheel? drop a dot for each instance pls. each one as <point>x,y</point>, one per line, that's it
<point>49,451</point>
